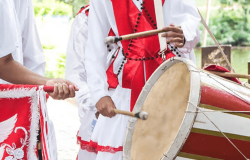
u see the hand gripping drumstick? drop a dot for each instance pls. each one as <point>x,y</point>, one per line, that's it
<point>140,115</point>
<point>113,39</point>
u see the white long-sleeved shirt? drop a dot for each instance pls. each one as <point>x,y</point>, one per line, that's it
<point>101,19</point>
<point>75,70</point>
<point>18,35</point>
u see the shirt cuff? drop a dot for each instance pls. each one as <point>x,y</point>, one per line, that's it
<point>97,95</point>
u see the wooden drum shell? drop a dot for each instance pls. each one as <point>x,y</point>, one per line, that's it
<point>176,130</point>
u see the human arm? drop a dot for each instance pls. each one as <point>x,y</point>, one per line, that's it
<point>75,68</point>
<point>13,72</point>
<point>96,57</point>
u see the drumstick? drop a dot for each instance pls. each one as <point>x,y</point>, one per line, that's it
<point>114,39</point>
<point>140,115</point>
<point>230,75</point>
<point>48,88</point>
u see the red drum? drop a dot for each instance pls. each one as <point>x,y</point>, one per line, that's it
<point>192,115</point>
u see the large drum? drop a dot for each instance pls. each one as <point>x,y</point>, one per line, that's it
<point>192,115</point>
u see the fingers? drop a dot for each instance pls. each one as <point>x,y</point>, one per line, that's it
<point>174,35</point>
<point>71,91</point>
<point>65,91</point>
<point>62,88</point>
<point>106,107</point>
<point>62,91</point>
<point>173,29</point>
<point>72,84</point>
<point>178,42</point>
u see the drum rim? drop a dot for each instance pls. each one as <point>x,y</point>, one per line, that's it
<point>188,120</point>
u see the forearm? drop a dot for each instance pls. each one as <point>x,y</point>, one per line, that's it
<point>13,72</point>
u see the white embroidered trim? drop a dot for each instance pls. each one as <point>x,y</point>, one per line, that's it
<point>16,153</point>
<point>34,127</point>
<point>17,93</point>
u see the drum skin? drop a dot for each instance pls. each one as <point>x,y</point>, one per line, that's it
<point>177,129</point>
<point>166,110</point>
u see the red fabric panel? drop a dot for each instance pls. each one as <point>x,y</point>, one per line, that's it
<point>215,147</point>
<point>112,77</point>
<point>86,11</point>
<point>221,69</point>
<point>126,16</point>
<point>85,145</point>
<point>111,33</point>
<point>100,148</point>
<point>10,107</point>
<point>222,99</point>
<point>43,139</point>
<point>137,84</point>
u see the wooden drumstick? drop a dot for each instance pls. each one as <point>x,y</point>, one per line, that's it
<point>114,39</point>
<point>140,115</point>
<point>230,75</point>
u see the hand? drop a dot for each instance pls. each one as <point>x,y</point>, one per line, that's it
<point>174,34</point>
<point>62,88</point>
<point>106,107</point>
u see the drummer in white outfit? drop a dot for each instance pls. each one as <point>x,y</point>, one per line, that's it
<point>75,72</point>
<point>109,133</point>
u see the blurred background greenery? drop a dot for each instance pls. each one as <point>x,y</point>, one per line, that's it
<point>229,21</point>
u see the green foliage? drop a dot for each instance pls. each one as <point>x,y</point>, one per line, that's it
<point>230,24</point>
<point>49,7</point>
<point>48,46</point>
<point>77,4</point>
<point>59,70</point>
<point>61,66</point>
<point>230,27</point>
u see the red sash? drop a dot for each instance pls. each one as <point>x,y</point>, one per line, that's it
<point>127,21</point>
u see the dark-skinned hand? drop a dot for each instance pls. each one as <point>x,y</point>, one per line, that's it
<point>106,106</point>
<point>62,88</point>
<point>174,35</point>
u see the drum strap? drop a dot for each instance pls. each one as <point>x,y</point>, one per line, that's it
<point>215,41</point>
<point>160,22</point>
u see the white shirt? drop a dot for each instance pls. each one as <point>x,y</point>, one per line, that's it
<point>75,70</point>
<point>18,35</point>
<point>101,19</point>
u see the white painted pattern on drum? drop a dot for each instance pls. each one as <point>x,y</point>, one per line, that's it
<point>182,158</point>
<point>226,122</point>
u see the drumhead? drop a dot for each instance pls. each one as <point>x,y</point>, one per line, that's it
<point>166,101</point>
